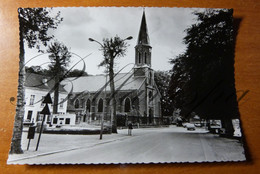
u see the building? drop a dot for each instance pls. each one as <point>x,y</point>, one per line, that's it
<point>36,88</point>
<point>137,96</point>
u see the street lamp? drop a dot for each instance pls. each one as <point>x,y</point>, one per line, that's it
<point>109,66</point>
<point>93,40</point>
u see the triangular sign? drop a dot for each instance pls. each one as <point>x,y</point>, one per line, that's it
<point>47,99</point>
<point>46,110</point>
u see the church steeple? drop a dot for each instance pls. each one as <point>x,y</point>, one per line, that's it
<point>143,37</point>
<point>143,48</point>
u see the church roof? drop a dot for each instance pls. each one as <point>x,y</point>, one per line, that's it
<point>40,82</point>
<point>123,81</point>
<point>143,37</point>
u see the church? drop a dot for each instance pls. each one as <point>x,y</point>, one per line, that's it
<point>137,96</point>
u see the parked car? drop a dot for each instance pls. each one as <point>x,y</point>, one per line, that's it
<point>198,124</point>
<point>185,125</point>
<point>190,126</point>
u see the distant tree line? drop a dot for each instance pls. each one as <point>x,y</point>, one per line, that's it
<point>48,72</point>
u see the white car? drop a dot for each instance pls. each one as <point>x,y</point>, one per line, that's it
<point>190,126</point>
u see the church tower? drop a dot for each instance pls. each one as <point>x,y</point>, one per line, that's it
<point>143,52</point>
<point>150,99</point>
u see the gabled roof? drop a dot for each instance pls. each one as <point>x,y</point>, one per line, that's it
<point>143,37</point>
<point>40,82</point>
<point>123,81</point>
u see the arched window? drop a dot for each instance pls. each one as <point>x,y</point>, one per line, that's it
<point>150,95</point>
<point>76,104</point>
<point>139,57</point>
<point>127,105</point>
<point>150,78</point>
<point>100,105</point>
<point>145,57</point>
<point>88,105</point>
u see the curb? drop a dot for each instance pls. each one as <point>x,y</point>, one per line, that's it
<point>65,150</point>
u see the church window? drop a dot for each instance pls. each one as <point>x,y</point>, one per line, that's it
<point>82,103</point>
<point>150,78</point>
<point>76,103</point>
<point>145,57</point>
<point>150,95</point>
<point>100,105</point>
<point>88,105</point>
<point>139,57</point>
<point>127,105</point>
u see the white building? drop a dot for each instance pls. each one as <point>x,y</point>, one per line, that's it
<point>36,88</point>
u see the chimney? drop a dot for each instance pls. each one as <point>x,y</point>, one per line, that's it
<point>44,81</point>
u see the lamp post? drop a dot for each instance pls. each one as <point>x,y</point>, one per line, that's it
<point>111,50</point>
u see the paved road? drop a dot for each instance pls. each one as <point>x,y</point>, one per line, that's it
<point>152,145</point>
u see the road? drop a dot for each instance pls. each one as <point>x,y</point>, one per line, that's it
<point>151,145</point>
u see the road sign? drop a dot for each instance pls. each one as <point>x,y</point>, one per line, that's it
<point>46,110</point>
<point>47,99</point>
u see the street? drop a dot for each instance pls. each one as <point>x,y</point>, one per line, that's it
<point>155,145</point>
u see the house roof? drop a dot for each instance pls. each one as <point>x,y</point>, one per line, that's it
<point>40,82</point>
<point>123,81</point>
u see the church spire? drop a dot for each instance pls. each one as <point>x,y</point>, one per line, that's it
<point>143,37</point>
<point>143,50</point>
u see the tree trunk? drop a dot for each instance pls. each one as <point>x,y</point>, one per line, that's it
<point>56,95</point>
<point>18,123</point>
<point>113,101</point>
<point>57,85</point>
<point>228,125</point>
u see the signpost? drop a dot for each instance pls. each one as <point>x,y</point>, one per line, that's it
<point>45,111</point>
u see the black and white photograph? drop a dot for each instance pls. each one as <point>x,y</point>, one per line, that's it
<point>126,85</point>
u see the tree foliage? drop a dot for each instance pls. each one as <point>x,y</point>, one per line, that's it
<point>203,76</point>
<point>60,59</point>
<point>35,24</point>
<point>77,73</point>
<point>47,72</point>
<point>162,80</point>
<point>113,48</point>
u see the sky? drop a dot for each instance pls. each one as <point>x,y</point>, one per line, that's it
<point>166,28</point>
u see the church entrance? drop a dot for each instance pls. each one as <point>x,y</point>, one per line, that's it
<point>150,116</point>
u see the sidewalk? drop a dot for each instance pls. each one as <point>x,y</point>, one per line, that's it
<point>56,143</point>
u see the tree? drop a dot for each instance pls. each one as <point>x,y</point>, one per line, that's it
<point>203,77</point>
<point>112,48</point>
<point>34,69</point>
<point>77,73</point>
<point>60,59</point>
<point>33,26</point>
<point>162,80</point>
